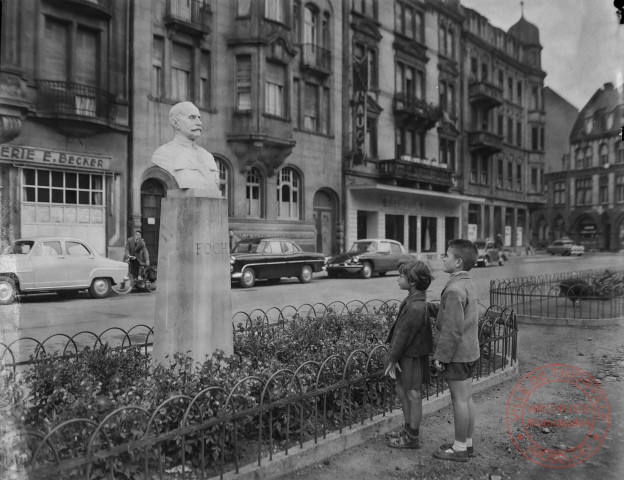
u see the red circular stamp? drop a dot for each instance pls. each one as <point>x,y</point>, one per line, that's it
<point>558,415</point>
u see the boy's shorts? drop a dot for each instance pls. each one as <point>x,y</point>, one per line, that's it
<point>415,372</point>
<point>460,370</point>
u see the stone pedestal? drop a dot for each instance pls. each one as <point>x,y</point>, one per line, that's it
<point>193,305</point>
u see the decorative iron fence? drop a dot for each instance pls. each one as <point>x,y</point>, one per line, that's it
<point>76,99</point>
<point>589,294</point>
<point>218,430</point>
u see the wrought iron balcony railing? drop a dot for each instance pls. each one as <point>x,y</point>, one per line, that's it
<point>315,57</point>
<point>416,110</point>
<point>192,16</point>
<point>75,99</point>
<point>87,6</point>
<point>397,169</point>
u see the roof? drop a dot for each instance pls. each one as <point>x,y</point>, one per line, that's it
<point>607,100</point>
<point>526,32</point>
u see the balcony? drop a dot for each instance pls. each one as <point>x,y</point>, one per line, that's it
<point>486,142</point>
<point>409,171</point>
<point>82,107</point>
<point>91,7</point>
<point>416,111</point>
<point>189,16</point>
<point>485,93</point>
<point>316,59</point>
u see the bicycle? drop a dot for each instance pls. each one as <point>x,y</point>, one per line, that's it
<point>142,276</point>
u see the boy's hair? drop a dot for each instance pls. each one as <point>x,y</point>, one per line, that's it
<point>417,272</point>
<point>466,250</point>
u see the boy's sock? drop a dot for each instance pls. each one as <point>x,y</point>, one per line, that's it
<point>469,442</point>
<point>457,447</point>
<point>412,432</point>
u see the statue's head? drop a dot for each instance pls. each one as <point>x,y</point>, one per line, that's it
<point>186,120</point>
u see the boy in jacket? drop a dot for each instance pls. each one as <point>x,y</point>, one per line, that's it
<point>411,342</point>
<point>456,352</point>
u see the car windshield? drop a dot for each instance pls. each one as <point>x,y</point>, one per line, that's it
<point>247,246</point>
<point>21,247</point>
<point>363,247</point>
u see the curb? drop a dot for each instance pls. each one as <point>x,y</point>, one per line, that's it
<point>569,322</point>
<point>335,442</point>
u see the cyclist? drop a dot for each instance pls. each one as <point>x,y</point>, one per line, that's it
<point>136,254</point>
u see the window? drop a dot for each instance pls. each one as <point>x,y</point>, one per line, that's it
<point>588,157</point>
<point>224,177</point>
<point>619,188</point>
<point>311,107</point>
<point>509,130</point>
<point>371,137</point>
<point>484,71</point>
<point>534,138</point>
<point>243,82</point>
<point>519,134</point>
<point>447,153</point>
<point>77,249</point>
<point>204,79</point>
<point>371,54</point>
<point>410,142</point>
<point>409,81</point>
<point>253,193</point>
<point>583,191</point>
<point>603,189</point>
<point>243,8</point>
<point>447,97</point>
<point>501,123</point>
<point>310,25</point>
<point>534,179</point>
<point>485,171</point>
<point>474,67</point>
<point>275,91</point>
<point>288,186</point>
<point>534,98</point>
<point>620,153</point>
<point>500,174</point>
<point>510,89</point>
<point>474,168</point>
<point>447,41</point>
<point>519,177</point>
<point>559,197</point>
<point>181,72</point>
<point>158,52</point>
<point>275,10</point>
<point>365,7</point>
<point>509,175</point>
<point>519,90</point>
<point>52,248</point>
<point>296,102</point>
<point>408,21</point>
<point>604,154</point>
<point>69,188</point>
<point>501,78</point>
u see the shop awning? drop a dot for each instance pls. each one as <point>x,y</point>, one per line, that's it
<point>381,188</point>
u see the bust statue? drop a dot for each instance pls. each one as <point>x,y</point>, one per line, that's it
<point>191,165</point>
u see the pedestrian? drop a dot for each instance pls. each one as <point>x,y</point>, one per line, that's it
<point>456,351</point>
<point>411,342</point>
<point>136,254</point>
<point>529,248</point>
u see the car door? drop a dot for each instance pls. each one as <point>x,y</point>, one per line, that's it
<point>383,259</point>
<point>49,265</point>
<point>291,258</point>
<point>80,263</point>
<point>273,261</point>
<point>396,252</point>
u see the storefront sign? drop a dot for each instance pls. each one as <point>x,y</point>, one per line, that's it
<point>360,88</point>
<point>43,156</point>
<point>472,232</point>
<point>519,236</point>
<point>508,235</point>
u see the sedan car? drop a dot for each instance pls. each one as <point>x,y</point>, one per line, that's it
<point>57,264</point>
<point>489,254</point>
<point>367,257</point>
<point>565,247</point>
<point>271,259</point>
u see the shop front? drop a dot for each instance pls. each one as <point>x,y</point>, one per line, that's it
<point>61,193</point>
<point>422,220</point>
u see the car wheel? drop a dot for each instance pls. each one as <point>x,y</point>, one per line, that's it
<point>248,279</point>
<point>67,293</point>
<point>100,288</point>
<point>382,274</point>
<point>367,270</point>
<point>8,290</point>
<point>500,262</point>
<point>273,281</point>
<point>306,274</point>
<point>150,286</point>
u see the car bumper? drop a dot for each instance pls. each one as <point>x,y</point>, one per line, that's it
<point>237,276</point>
<point>344,268</point>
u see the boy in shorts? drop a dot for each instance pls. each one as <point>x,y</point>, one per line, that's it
<point>411,342</point>
<point>456,352</point>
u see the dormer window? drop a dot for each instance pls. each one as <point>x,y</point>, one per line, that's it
<point>589,124</point>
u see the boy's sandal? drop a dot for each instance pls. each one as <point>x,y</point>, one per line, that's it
<point>449,446</point>
<point>395,433</point>
<point>454,455</point>
<point>404,441</point>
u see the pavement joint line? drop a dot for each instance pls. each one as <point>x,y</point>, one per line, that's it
<point>335,443</point>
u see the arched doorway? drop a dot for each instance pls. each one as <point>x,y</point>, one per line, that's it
<point>152,191</point>
<point>325,222</point>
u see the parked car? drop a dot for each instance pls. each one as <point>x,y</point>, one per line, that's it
<point>565,247</point>
<point>271,259</point>
<point>489,253</point>
<point>57,264</point>
<point>367,257</point>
